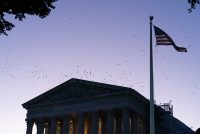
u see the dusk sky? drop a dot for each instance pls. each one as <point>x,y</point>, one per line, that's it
<point>104,41</point>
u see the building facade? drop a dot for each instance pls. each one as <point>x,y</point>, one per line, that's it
<point>85,107</point>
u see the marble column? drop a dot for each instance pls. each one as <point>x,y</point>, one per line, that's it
<point>144,126</point>
<point>126,124</point>
<point>80,123</point>
<point>118,124</point>
<point>110,122</point>
<point>46,128</point>
<point>103,124</point>
<point>75,126</point>
<point>40,126</point>
<point>65,127</point>
<point>53,125</point>
<point>95,122</point>
<point>29,124</point>
<point>141,125</point>
<point>134,123</point>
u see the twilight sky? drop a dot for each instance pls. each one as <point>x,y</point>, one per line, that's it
<point>105,41</point>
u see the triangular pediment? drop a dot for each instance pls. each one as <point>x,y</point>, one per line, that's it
<point>74,89</point>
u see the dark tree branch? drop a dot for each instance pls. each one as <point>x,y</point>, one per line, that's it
<point>193,4</point>
<point>20,8</point>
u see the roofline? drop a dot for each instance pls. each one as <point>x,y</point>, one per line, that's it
<point>72,80</point>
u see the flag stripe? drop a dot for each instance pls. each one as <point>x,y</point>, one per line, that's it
<point>163,39</point>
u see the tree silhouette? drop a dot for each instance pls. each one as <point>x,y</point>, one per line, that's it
<point>192,4</point>
<point>20,8</point>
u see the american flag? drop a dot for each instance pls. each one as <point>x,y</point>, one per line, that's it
<point>163,39</point>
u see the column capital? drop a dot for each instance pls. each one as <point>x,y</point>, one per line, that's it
<point>52,118</point>
<point>65,116</point>
<point>80,116</point>
<point>29,121</point>
<point>126,111</point>
<point>40,121</point>
<point>80,113</point>
<point>94,113</point>
<point>133,113</point>
<point>110,112</point>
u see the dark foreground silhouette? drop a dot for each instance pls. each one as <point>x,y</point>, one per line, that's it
<point>21,8</point>
<point>197,131</point>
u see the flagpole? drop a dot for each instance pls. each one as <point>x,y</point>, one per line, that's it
<point>152,119</point>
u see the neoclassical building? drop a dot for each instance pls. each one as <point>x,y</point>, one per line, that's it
<point>86,107</point>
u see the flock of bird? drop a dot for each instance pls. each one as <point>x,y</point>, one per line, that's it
<point>38,72</point>
<point>116,76</point>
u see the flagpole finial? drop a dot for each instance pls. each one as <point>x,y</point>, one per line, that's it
<point>151,18</point>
